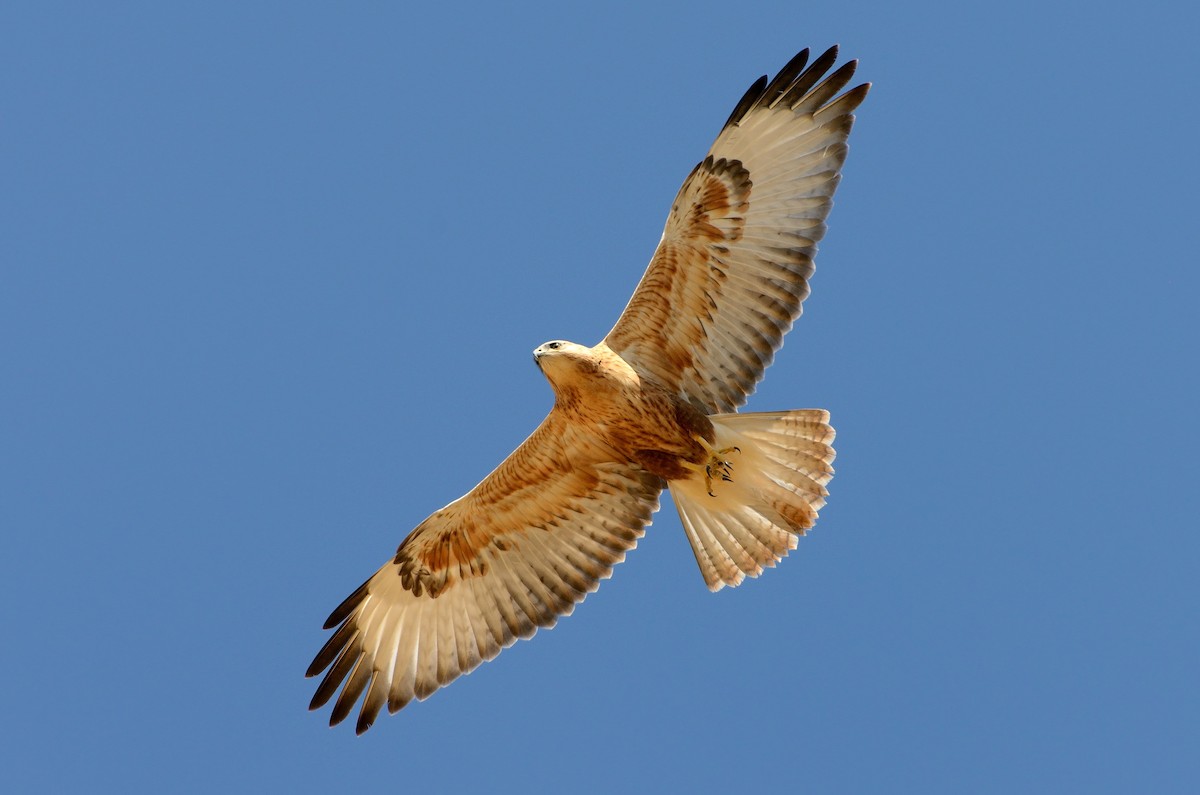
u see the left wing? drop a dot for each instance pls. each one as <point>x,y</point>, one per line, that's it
<point>512,555</point>
<point>732,268</point>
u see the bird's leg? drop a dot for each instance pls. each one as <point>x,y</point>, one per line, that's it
<point>717,465</point>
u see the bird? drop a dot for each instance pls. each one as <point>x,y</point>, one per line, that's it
<point>652,406</point>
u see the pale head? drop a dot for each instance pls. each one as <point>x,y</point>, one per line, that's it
<point>563,361</point>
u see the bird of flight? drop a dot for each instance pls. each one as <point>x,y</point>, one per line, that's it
<point>651,406</point>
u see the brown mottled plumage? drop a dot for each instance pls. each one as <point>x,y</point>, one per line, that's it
<point>650,406</point>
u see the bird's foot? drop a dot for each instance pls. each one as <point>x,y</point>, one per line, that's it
<point>718,465</point>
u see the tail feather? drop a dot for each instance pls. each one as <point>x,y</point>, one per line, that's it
<point>780,464</point>
<point>726,551</point>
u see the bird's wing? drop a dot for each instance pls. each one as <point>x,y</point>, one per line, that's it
<point>732,268</point>
<point>515,553</point>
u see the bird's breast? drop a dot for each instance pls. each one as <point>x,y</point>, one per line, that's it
<point>656,430</point>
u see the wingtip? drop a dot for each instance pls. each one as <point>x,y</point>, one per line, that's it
<point>342,611</point>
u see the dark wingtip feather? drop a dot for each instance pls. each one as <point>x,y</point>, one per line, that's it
<point>323,694</point>
<point>333,678</point>
<point>359,678</point>
<point>845,104</point>
<point>373,702</point>
<point>778,87</point>
<point>747,101</point>
<point>368,714</point>
<point>792,83</point>
<point>828,87</point>
<point>332,648</point>
<point>815,71</point>
<point>347,606</point>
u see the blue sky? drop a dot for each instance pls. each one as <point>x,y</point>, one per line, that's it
<point>271,277</point>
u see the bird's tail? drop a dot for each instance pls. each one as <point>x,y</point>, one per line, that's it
<point>762,489</point>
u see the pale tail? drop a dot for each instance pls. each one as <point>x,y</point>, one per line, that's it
<point>779,463</point>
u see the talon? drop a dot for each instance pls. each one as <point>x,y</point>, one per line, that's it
<point>717,464</point>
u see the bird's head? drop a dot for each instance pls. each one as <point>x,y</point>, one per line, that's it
<point>564,362</point>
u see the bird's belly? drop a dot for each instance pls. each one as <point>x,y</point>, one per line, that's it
<point>669,466</point>
<point>663,439</point>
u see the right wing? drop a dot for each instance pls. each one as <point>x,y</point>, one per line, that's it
<point>515,553</point>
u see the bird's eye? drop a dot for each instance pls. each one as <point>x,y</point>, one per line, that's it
<point>553,346</point>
